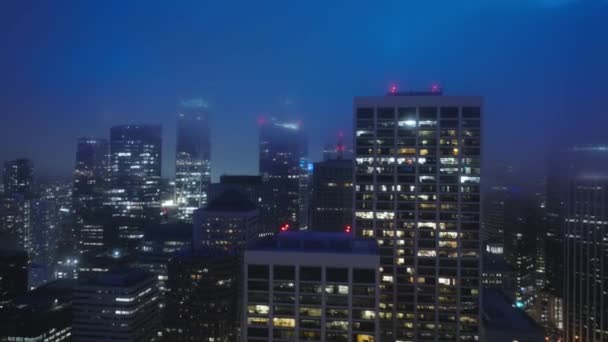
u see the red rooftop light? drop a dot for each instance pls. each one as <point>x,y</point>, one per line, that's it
<point>393,89</point>
<point>284,227</point>
<point>347,229</point>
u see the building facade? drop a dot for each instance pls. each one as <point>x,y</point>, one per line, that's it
<point>91,181</point>
<point>135,169</point>
<point>332,195</point>
<point>18,176</point>
<point>120,305</point>
<point>192,160</point>
<point>228,224</point>
<point>282,146</point>
<point>417,192</point>
<point>311,286</point>
<point>202,298</point>
<point>586,259</point>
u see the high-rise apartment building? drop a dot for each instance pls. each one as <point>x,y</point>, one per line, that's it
<point>120,305</point>
<point>135,168</point>
<point>417,175</point>
<point>282,146</point>
<point>311,286</point>
<point>331,206</point>
<point>91,180</point>
<point>192,159</point>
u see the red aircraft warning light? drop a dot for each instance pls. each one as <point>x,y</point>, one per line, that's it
<point>284,227</point>
<point>348,229</point>
<point>393,89</point>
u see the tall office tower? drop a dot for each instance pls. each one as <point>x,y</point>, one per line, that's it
<point>91,177</point>
<point>586,258</point>
<point>18,176</point>
<point>417,173</point>
<point>229,224</point>
<point>15,220</point>
<point>522,229</point>
<point>332,195</point>
<point>565,165</point>
<point>44,314</point>
<point>311,286</point>
<point>282,146</point>
<point>202,300</point>
<point>494,215</point>
<point>192,159</point>
<point>45,240</point>
<point>119,305</point>
<point>135,165</point>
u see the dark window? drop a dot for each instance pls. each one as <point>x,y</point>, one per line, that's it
<point>310,273</point>
<point>449,112</point>
<point>471,112</point>
<point>284,272</point>
<point>428,113</point>
<point>386,114</point>
<point>257,271</point>
<point>361,275</point>
<point>365,113</point>
<point>337,274</point>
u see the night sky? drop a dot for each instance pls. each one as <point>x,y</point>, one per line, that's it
<point>75,68</point>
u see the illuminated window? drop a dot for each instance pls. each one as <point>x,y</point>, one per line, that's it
<point>284,322</point>
<point>427,253</point>
<point>258,309</point>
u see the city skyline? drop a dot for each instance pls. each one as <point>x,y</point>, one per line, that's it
<point>323,171</point>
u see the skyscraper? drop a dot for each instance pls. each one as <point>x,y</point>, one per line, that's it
<point>585,247</point>
<point>332,195</point>
<point>135,166</point>
<point>417,193</point>
<point>282,146</point>
<point>91,178</point>
<point>192,159</point>
<point>18,176</point>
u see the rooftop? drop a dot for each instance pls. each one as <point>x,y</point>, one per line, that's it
<point>231,200</point>
<point>314,242</point>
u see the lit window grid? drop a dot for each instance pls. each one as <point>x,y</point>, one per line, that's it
<point>377,226</point>
<point>292,322</point>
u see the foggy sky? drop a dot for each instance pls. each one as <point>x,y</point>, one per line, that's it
<point>75,68</point>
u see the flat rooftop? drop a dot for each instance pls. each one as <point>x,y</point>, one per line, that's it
<point>318,242</point>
